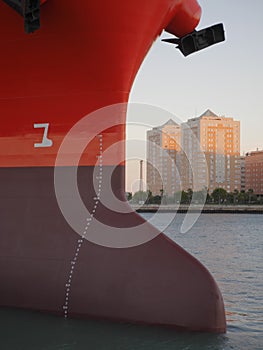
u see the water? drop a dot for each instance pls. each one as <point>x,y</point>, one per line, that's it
<point>231,247</point>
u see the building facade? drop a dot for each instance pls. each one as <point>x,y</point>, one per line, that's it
<point>242,173</point>
<point>254,172</point>
<point>211,153</point>
<point>163,148</point>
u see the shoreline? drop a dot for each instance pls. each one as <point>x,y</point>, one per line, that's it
<point>195,208</point>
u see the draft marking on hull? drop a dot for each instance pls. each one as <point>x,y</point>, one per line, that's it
<point>46,142</point>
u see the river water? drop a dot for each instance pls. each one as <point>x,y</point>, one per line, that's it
<point>229,245</point>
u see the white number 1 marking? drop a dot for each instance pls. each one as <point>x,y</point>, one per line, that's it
<point>46,142</point>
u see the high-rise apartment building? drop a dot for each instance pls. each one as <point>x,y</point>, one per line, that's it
<point>163,146</point>
<point>254,172</point>
<point>211,153</point>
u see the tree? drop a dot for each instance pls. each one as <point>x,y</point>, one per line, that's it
<point>219,195</point>
<point>200,196</point>
<point>156,199</point>
<point>229,198</point>
<point>128,196</point>
<point>232,197</point>
<point>139,196</point>
<point>242,197</point>
<point>235,196</point>
<point>149,199</point>
<point>189,194</point>
<point>208,198</point>
<point>251,195</point>
<point>184,197</point>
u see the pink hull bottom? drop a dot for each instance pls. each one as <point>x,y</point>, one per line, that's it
<point>154,283</point>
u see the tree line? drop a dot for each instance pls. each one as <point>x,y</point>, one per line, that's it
<point>218,196</point>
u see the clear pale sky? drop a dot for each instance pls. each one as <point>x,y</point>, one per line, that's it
<point>226,78</point>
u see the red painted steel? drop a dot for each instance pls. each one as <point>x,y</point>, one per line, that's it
<point>85,57</point>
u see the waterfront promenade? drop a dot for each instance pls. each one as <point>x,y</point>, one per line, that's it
<point>209,209</point>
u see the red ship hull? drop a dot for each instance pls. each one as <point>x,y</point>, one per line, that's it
<point>84,58</point>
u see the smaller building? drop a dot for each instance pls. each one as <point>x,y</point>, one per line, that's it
<point>254,171</point>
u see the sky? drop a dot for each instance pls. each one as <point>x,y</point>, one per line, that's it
<point>226,78</point>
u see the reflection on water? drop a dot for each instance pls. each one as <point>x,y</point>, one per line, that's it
<point>231,247</point>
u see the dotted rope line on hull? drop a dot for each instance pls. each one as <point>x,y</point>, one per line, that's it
<point>84,234</point>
